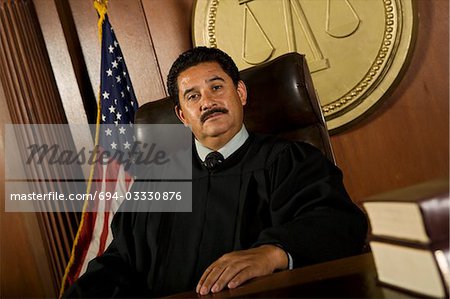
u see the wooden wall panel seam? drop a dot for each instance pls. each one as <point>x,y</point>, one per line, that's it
<point>149,33</point>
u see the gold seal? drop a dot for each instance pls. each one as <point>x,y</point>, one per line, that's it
<point>356,49</point>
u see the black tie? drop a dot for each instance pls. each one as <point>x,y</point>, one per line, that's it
<point>213,159</point>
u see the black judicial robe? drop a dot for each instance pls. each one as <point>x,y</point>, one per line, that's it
<point>269,191</point>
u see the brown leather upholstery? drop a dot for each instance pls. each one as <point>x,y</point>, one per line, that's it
<point>281,100</point>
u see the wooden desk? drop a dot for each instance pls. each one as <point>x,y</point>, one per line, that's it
<point>353,277</point>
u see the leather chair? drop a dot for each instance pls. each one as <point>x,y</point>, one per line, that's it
<point>281,100</point>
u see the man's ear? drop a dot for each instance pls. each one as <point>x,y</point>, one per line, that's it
<point>242,92</point>
<point>180,114</point>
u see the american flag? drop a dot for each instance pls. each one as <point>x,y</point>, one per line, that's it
<point>115,134</point>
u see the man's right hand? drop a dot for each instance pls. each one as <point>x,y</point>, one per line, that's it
<point>235,268</point>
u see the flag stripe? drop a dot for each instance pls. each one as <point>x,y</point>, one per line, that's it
<point>104,234</point>
<point>89,220</point>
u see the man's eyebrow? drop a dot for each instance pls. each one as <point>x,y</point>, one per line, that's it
<point>215,78</point>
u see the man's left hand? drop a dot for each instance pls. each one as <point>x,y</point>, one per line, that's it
<point>235,268</point>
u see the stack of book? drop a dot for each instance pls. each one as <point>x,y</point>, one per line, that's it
<point>409,238</point>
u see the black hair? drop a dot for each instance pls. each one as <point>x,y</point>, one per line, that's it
<point>194,57</point>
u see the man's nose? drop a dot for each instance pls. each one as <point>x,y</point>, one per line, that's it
<point>208,101</point>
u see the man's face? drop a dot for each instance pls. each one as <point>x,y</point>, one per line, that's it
<point>210,103</point>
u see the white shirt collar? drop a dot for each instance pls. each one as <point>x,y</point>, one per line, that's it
<point>236,142</point>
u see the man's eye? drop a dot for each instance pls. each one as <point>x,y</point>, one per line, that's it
<point>217,87</point>
<point>192,97</point>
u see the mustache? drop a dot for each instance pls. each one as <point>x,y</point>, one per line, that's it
<point>208,113</point>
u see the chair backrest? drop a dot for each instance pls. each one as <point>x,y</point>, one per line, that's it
<point>281,101</point>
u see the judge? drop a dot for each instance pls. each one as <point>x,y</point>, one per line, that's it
<point>260,204</point>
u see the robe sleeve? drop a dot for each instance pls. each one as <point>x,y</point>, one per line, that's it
<point>113,274</point>
<point>313,217</point>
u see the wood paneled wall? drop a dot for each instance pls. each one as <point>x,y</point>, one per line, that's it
<point>35,247</point>
<point>23,260</point>
<point>405,141</point>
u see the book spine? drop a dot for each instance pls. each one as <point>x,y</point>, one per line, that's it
<point>435,214</point>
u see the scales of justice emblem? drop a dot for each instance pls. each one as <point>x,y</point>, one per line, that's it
<point>356,49</point>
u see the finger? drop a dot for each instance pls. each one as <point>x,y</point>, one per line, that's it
<point>202,279</point>
<point>211,278</point>
<point>241,277</point>
<point>230,271</point>
<point>205,275</point>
